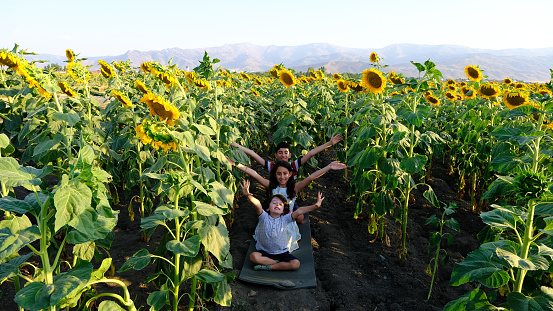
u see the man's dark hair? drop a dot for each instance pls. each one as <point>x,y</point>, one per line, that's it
<point>284,145</point>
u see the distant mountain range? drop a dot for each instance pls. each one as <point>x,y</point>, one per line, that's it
<point>530,65</point>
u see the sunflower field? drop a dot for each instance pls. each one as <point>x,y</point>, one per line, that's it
<point>74,144</point>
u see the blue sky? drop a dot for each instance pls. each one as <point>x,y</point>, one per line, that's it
<point>104,28</point>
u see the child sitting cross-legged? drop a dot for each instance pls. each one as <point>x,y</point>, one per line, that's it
<point>271,248</point>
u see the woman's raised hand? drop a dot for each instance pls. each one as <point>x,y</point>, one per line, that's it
<point>337,165</point>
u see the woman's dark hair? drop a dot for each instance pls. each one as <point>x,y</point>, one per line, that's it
<point>286,208</point>
<point>273,182</point>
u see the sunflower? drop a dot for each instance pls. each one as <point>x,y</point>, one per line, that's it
<point>468,92</point>
<point>13,61</point>
<point>191,76</point>
<point>286,78</point>
<point>147,67</point>
<point>160,107</point>
<point>507,81</point>
<point>342,86</point>
<point>451,88</point>
<point>373,80</point>
<point>394,78</point>
<point>514,99</point>
<point>255,92</point>
<point>274,72</point>
<point>43,92</point>
<point>520,86</point>
<point>451,81</point>
<point>122,98</point>
<point>450,95</point>
<point>70,55</point>
<point>152,134</point>
<point>373,57</point>
<point>488,90</point>
<point>355,86</point>
<point>473,73</point>
<point>78,72</point>
<point>166,78</point>
<point>106,69</point>
<point>141,86</point>
<point>434,101</point>
<point>245,76</point>
<point>202,83</point>
<point>66,89</point>
<point>257,81</point>
<point>337,76</point>
<point>543,91</point>
<point>223,83</point>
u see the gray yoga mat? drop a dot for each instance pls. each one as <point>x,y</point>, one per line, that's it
<point>304,277</point>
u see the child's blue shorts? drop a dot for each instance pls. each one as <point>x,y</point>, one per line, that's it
<point>286,256</point>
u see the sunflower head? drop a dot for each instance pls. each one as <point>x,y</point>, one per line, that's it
<point>106,70</point>
<point>450,95</point>
<point>337,76</point>
<point>65,88</point>
<point>245,76</point>
<point>274,72</point>
<point>468,92</point>
<point>202,84</point>
<point>358,87</point>
<point>122,98</point>
<point>342,86</point>
<point>394,78</point>
<point>141,86</point>
<point>161,108</point>
<point>488,90</point>
<point>156,136</point>
<point>507,81</point>
<point>78,72</point>
<point>373,80</point>
<point>515,98</point>
<point>374,57</point>
<point>286,78</point>
<point>520,86</point>
<point>13,61</point>
<point>473,73</point>
<point>147,67</point>
<point>434,101</point>
<point>255,92</point>
<point>70,55</point>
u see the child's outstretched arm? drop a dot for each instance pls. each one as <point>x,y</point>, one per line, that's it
<point>336,165</point>
<point>246,191</point>
<point>333,141</point>
<point>306,209</point>
<point>251,172</point>
<point>249,152</point>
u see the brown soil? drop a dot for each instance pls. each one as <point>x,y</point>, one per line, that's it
<point>353,272</point>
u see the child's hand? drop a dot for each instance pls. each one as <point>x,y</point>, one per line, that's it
<point>320,199</point>
<point>234,144</point>
<point>337,165</point>
<point>334,139</point>
<point>245,187</point>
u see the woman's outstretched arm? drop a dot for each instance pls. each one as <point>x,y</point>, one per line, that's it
<point>336,165</point>
<point>251,172</point>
